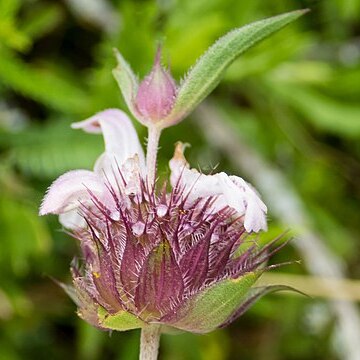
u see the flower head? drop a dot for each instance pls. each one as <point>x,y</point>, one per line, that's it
<point>163,260</point>
<point>178,257</point>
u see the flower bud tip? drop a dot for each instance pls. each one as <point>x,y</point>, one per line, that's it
<point>157,92</point>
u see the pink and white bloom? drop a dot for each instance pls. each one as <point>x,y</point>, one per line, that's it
<point>124,155</point>
<point>77,187</point>
<point>230,191</point>
<point>156,94</point>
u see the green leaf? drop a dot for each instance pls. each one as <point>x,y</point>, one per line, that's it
<point>42,20</point>
<point>41,85</point>
<point>126,80</point>
<point>9,8</point>
<point>324,112</point>
<point>254,295</point>
<point>209,69</point>
<point>18,250</point>
<point>209,309</point>
<point>47,151</point>
<point>121,321</point>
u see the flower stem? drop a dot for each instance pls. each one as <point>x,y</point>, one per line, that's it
<point>152,148</point>
<point>149,342</point>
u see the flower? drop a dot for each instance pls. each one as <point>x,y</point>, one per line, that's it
<point>178,258</point>
<point>122,149</point>
<point>156,94</point>
<point>230,191</point>
<point>164,261</point>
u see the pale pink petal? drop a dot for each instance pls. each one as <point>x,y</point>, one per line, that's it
<point>121,140</point>
<point>244,199</point>
<point>69,190</point>
<point>72,220</point>
<point>131,172</point>
<point>255,218</point>
<point>232,191</point>
<point>200,184</point>
<point>90,125</point>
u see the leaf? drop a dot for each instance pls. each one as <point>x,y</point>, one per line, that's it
<point>42,20</point>
<point>121,321</point>
<point>17,249</point>
<point>207,310</point>
<point>209,69</point>
<point>41,85</point>
<point>324,112</point>
<point>12,37</point>
<point>48,151</point>
<point>9,8</point>
<point>127,81</point>
<point>255,294</point>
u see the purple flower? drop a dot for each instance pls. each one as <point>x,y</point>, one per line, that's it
<point>181,257</point>
<point>156,94</point>
<point>123,151</point>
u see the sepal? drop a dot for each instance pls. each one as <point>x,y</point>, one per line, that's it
<point>253,296</point>
<point>121,321</point>
<point>211,307</point>
<point>127,82</point>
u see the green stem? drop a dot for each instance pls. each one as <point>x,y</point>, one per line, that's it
<point>151,154</point>
<point>149,342</point>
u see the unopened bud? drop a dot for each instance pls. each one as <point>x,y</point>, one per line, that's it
<point>157,92</point>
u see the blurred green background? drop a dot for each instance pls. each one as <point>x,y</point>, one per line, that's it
<point>293,102</point>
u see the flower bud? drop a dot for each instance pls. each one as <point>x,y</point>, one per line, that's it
<point>156,93</point>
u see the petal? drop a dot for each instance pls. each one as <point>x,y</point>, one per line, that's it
<point>255,214</point>
<point>69,189</point>
<point>72,220</point>
<point>200,185</point>
<point>232,191</point>
<point>121,140</point>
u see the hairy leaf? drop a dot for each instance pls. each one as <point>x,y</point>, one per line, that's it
<point>121,321</point>
<point>211,307</point>
<point>209,69</point>
<point>126,80</point>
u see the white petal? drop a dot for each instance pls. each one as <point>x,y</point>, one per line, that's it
<point>69,190</point>
<point>232,191</point>
<point>243,197</point>
<point>72,220</point>
<point>131,172</point>
<point>121,140</point>
<point>255,219</point>
<point>201,185</point>
<point>90,125</point>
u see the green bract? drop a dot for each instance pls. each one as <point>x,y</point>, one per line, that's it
<point>120,321</point>
<point>211,307</point>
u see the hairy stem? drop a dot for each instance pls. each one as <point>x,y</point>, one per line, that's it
<point>152,148</point>
<point>149,342</point>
